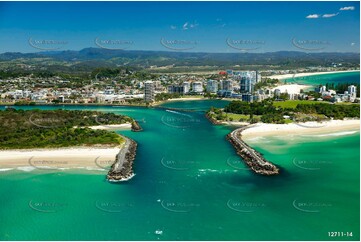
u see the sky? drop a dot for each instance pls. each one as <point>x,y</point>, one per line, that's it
<point>181,26</point>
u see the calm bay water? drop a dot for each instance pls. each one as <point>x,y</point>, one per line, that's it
<point>345,77</point>
<point>191,185</point>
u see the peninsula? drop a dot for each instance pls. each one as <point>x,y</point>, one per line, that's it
<point>62,139</point>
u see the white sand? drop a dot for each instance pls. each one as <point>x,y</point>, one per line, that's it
<point>62,158</point>
<point>292,88</point>
<point>179,99</point>
<point>112,126</point>
<point>235,123</point>
<point>332,126</point>
<point>284,76</point>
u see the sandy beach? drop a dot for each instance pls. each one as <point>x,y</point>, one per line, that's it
<point>125,126</point>
<point>179,99</point>
<point>328,127</point>
<point>235,123</point>
<point>58,159</point>
<point>285,76</point>
<point>292,88</point>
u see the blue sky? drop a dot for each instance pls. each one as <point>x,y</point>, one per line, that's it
<point>192,26</point>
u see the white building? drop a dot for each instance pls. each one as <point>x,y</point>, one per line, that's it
<point>247,80</point>
<point>197,87</point>
<point>186,87</point>
<point>149,91</point>
<point>352,90</point>
<point>322,89</point>
<point>212,86</point>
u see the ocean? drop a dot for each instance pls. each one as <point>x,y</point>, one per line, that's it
<point>344,77</point>
<point>191,185</point>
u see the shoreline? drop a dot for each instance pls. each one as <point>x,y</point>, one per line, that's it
<point>240,138</point>
<point>75,104</point>
<point>253,159</point>
<point>308,128</point>
<point>122,168</point>
<point>117,161</point>
<point>155,104</point>
<point>125,126</point>
<point>292,88</point>
<point>89,158</point>
<point>304,74</point>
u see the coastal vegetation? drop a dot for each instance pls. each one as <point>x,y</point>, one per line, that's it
<point>268,111</point>
<point>22,129</point>
<point>166,96</point>
<point>24,103</point>
<point>294,103</point>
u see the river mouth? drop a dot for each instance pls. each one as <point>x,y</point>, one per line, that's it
<point>185,188</point>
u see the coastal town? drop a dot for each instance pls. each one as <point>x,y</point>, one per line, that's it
<point>180,120</point>
<point>126,89</point>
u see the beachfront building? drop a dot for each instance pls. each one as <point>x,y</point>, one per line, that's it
<point>212,86</point>
<point>226,88</point>
<point>245,84</point>
<point>227,85</point>
<point>247,80</point>
<point>149,91</point>
<point>352,90</point>
<point>176,89</point>
<point>186,87</point>
<point>197,87</point>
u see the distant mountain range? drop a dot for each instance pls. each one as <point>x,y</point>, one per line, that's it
<point>95,57</point>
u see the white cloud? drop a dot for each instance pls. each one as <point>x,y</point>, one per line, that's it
<point>173,27</point>
<point>347,8</point>
<point>188,25</point>
<point>352,44</point>
<point>329,15</point>
<point>313,16</point>
<point>185,26</point>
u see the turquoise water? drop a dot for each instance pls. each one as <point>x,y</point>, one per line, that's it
<point>196,106</point>
<point>190,185</point>
<point>346,77</point>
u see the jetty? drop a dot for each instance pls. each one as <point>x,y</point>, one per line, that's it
<point>136,126</point>
<point>212,120</point>
<point>252,158</point>
<point>122,169</point>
